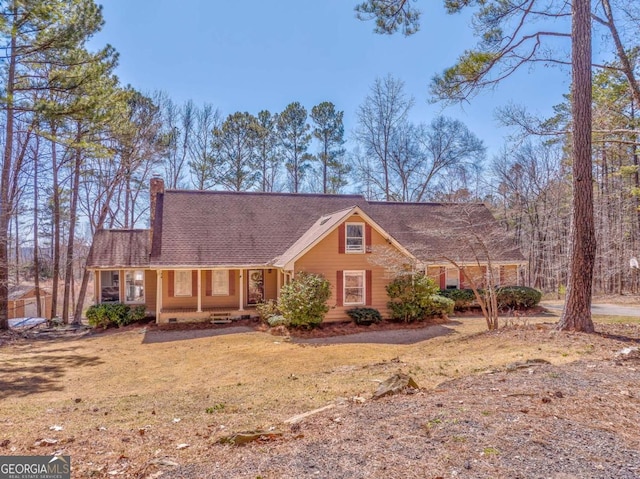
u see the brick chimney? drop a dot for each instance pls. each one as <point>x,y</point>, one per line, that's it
<point>156,187</point>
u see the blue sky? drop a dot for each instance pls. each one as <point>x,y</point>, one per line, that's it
<point>254,54</point>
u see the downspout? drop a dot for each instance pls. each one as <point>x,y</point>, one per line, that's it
<point>241,292</point>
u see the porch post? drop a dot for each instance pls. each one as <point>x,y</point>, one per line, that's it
<point>199,282</point>
<point>97,288</point>
<point>241,290</point>
<point>158,294</point>
<point>278,283</point>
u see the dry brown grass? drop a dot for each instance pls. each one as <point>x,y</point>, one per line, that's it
<point>125,397</point>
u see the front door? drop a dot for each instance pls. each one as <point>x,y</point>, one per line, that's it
<point>255,286</point>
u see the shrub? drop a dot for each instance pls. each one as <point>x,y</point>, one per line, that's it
<point>517,297</point>
<point>364,316</point>
<point>462,298</point>
<point>303,302</point>
<point>440,306</point>
<point>412,297</point>
<point>277,320</point>
<point>110,314</point>
<point>267,310</point>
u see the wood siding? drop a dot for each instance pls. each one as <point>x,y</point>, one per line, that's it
<point>508,275</point>
<point>230,301</point>
<point>325,259</point>
<point>150,291</point>
<point>18,308</point>
<point>270,284</point>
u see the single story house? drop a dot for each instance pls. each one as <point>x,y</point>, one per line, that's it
<point>209,253</point>
<point>23,302</point>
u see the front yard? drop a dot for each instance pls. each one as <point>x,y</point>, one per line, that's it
<point>122,401</point>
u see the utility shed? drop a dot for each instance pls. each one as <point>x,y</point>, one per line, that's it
<point>22,302</point>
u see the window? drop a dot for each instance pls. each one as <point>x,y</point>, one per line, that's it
<point>134,286</point>
<point>354,282</point>
<point>220,282</point>
<point>453,278</point>
<point>109,286</point>
<point>182,283</point>
<point>354,238</point>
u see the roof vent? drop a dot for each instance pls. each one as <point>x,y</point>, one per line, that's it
<point>325,220</point>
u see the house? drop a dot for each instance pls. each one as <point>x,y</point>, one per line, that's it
<point>219,254</point>
<point>23,302</point>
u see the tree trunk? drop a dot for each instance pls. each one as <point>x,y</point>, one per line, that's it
<point>73,207</point>
<point>36,258</point>
<point>55,230</point>
<point>17,248</point>
<point>576,315</point>
<point>77,315</point>
<point>5,209</point>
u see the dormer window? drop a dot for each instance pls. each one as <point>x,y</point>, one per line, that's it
<point>354,238</point>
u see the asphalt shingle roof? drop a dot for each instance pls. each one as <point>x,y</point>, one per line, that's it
<point>120,249</point>
<point>437,231</point>
<point>203,228</point>
<point>209,229</point>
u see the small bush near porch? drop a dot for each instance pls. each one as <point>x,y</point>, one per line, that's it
<point>114,314</point>
<point>303,302</point>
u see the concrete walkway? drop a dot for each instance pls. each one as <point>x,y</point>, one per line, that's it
<point>605,309</point>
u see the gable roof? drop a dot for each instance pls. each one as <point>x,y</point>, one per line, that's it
<point>21,290</point>
<point>120,249</point>
<point>317,231</point>
<point>206,229</point>
<point>323,227</point>
<point>218,229</point>
<point>436,232</point>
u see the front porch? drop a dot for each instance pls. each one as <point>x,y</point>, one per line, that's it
<point>216,295</point>
<point>208,314</point>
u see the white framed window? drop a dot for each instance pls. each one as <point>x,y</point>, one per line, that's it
<point>354,238</point>
<point>182,283</point>
<point>220,282</point>
<point>134,286</point>
<point>354,287</point>
<point>453,278</point>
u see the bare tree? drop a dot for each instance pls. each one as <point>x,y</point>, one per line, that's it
<point>177,132</point>
<point>202,160</point>
<point>382,114</point>
<point>477,245</point>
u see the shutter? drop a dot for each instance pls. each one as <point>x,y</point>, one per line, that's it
<point>367,238</point>
<point>443,277</point>
<point>339,288</point>
<point>194,282</point>
<point>485,278</point>
<point>501,279</point>
<point>341,238</point>
<point>232,282</point>
<point>171,282</point>
<point>367,287</point>
<point>462,285</point>
<point>208,278</point>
